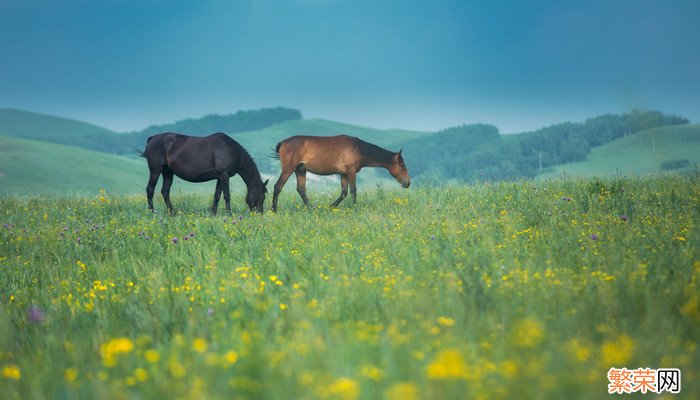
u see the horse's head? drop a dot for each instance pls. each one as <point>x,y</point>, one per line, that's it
<point>398,170</point>
<point>256,197</point>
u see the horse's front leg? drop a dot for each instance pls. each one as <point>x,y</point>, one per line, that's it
<point>343,190</point>
<point>227,194</point>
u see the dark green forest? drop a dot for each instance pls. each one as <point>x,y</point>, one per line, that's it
<point>476,152</point>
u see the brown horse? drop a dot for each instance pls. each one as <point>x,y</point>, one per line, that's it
<point>201,159</point>
<point>328,155</point>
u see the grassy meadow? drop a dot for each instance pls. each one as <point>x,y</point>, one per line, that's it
<point>493,290</point>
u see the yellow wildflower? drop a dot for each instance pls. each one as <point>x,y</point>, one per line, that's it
<point>345,388</point>
<point>70,374</point>
<point>448,364</point>
<point>140,374</point>
<point>152,355</point>
<point>372,372</point>
<point>402,391</point>
<point>110,350</point>
<point>11,372</point>
<point>200,345</point>
<point>445,321</point>
<point>528,333</point>
<point>617,352</point>
<point>577,351</point>
<point>231,357</point>
<point>509,369</point>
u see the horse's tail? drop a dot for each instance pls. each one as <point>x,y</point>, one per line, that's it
<point>276,155</point>
<point>143,153</point>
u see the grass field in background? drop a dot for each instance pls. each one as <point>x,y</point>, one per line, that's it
<point>641,153</point>
<point>31,167</point>
<point>508,290</point>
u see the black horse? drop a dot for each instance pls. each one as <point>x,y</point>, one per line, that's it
<point>201,159</point>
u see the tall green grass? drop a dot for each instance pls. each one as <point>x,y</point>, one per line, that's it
<point>508,290</point>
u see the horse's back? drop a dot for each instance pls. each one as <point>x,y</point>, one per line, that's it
<point>193,158</point>
<point>340,142</point>
<point>320,154</point>
<point>169,142</point>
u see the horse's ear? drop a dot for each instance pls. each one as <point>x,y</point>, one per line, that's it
<point>265,184</point>
<point>400,151</point>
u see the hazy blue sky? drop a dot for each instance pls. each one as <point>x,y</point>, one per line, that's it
<point>406,64</point>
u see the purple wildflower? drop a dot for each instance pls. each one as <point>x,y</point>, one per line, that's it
<point>174,240</point>
<point>432,237</point>
<point>623,217</point>
<point>210,311</point>
<point>594,237</point>
<point>78,240</point>
<point>35,314</point>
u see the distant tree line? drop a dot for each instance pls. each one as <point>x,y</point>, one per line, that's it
<point>476,152</point>
<point>241,121</point>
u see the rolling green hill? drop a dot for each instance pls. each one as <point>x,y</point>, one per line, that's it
<point>31,167</point>
<point>640,153</point>
<point>47,128</point>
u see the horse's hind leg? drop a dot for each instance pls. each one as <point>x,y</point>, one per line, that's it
<point>278,187</point>
<point>151,187</point>
<point>353,187</point>
<point>217,196</point>
<point>165,190</point>
<point>343,190</point>
<point>301,184</point>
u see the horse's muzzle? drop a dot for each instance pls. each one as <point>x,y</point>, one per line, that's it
<point>406,184</point>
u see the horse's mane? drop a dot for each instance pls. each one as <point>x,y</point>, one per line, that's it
<point>247,160</point>
<point>373,152</point>
<point>246,164</point>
